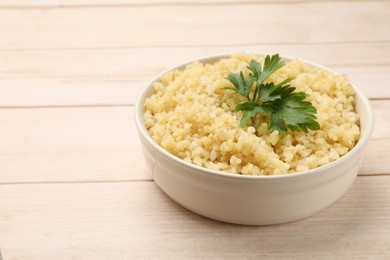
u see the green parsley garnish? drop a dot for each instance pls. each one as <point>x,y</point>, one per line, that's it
<point>283,108</point>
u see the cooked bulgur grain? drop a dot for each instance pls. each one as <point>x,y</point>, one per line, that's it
<point>192,117</point>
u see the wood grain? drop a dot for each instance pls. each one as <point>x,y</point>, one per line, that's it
<point>195,25</point>
<point>104,3</point>
<point>133,220</point>
<point>91,144</point>
<point>101,144</point>
<point>116,76</point>
<point>73,181</point>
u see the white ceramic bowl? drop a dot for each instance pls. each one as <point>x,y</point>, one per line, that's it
<point>252,200</point>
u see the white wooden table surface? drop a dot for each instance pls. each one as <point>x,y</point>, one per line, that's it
<point>73,182</point>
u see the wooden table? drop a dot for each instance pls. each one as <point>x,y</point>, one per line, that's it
<point>73,181</point>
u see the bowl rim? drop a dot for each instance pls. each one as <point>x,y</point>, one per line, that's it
<point>139,109</point>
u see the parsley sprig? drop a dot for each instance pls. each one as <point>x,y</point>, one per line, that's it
<point>283,108</point>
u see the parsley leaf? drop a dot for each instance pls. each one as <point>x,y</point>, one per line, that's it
<point>291,111</point>
<point>283,108</point>
<point>242,85</point>
<point>271,64</point>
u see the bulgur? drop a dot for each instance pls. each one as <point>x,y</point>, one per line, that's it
<point>193,117</point>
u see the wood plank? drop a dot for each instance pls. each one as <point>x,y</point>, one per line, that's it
<point>136,220</point>
<point>195,25</point>
<point>88,3</point>
<point>378,152</point>
<point>101,144</point>
<point>87,144</point>
<point>116,76</point>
